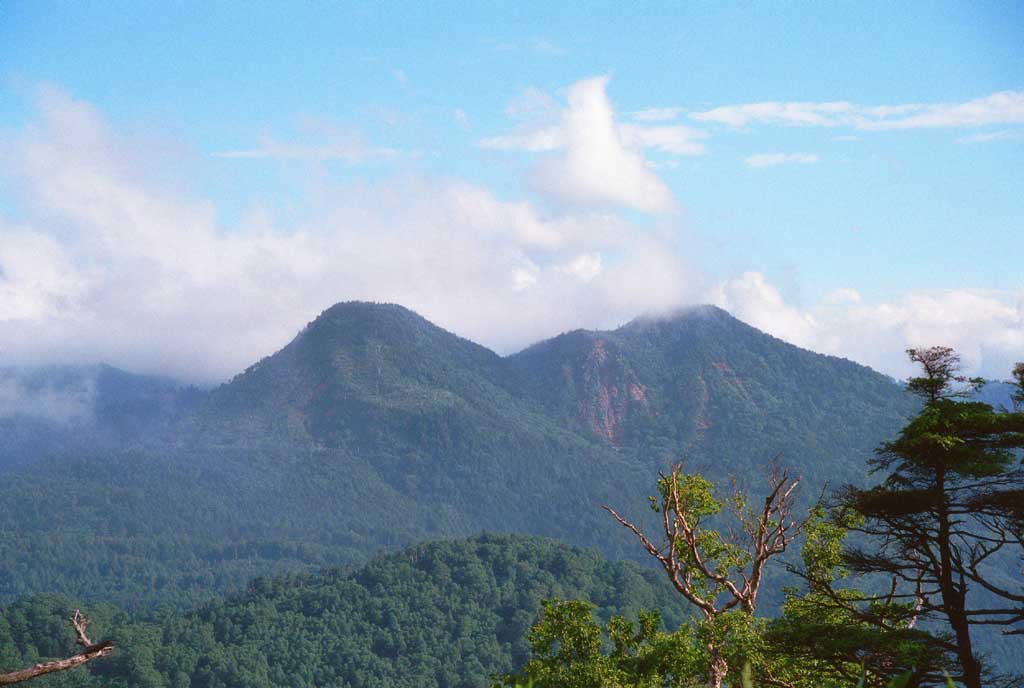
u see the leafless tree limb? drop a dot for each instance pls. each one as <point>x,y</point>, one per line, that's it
<point>89,652</point>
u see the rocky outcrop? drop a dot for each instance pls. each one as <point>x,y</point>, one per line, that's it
<point>610,393</point>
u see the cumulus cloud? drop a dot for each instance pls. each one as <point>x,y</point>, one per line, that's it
<point>985,326</point>
<point>753,300</point>
<point>108,265</point>
<point>773,159</point>
<point>597,161</point>
<point>1006,107</point>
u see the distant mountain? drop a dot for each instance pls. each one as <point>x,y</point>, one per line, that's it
<point>445,614</point>
<point>64,410</point>
<point>997,393</point>
<point>374,429</point>
<point>702,387</point>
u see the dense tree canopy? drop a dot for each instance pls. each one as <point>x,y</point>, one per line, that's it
<point>448,614</point>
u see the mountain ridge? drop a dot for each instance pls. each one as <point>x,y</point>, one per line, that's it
<point>375,428</point>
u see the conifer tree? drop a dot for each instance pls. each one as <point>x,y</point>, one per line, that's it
<point>946,509</point>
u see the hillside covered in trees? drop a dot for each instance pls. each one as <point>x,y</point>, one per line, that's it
<point>375,429</point>
<point>448,614</point>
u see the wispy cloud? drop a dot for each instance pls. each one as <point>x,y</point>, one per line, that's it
<point>70,402</point>
<point>320,140</point>
<point>773,159</point>
<point>601,161</point>
<point>1002,135</point>
<point>533,141</point>
<point>790,114</point>
<point>985,326</point>
<point>286,151</point>
<point>664,114</point>
<point>539,45</point>
<point>677,139</point>
<point>544,46</point>
<point>1006,107</point>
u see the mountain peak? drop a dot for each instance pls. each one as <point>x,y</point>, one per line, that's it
<point>697,312</point>
<point>390,325</point>
<point>368,313</point>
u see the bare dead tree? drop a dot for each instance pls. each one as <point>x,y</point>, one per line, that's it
<point>715,573</point>
<point>89,652</point>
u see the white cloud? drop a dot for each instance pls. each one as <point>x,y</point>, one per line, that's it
<point>538,45</point>
<point>988,136</point>
<point>844,295</point>
<point>678,139</point>
<point>584,267</point>
<point>773,159</point>
<point>544,46</point>
<point>284,151</point>
<point>107,265</point>
<point>525,277</point>
<point>35,275</point>
<point>536,141</point>
<point>791,113</point>
<point>753,300</point>
<point>665,114</point>
<point>321,141</point>
<point>1006,107</point>
<point>533,105</point>
<point>986,327</point>
<point>599,161</point>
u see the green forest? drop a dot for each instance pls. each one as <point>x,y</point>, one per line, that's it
<point>246,550</point>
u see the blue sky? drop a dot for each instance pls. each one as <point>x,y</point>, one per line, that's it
<point>202,181</point>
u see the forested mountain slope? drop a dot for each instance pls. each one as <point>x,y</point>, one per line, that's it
<point>446,614</point>
<point>702,387</point>
<point>375,428</point>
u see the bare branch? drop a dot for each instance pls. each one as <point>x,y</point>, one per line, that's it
<point>90,651</point>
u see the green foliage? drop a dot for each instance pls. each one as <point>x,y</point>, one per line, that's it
<point>438,615</point>
<point>570,649</point>
<point>930,543</point>
<point>374,429</point>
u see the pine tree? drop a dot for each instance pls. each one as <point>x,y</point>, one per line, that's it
<point>946,509</point>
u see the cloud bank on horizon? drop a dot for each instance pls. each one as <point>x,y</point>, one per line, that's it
<point>109,262</point>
